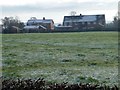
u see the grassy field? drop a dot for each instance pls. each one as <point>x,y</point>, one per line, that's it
<point>87,57</point>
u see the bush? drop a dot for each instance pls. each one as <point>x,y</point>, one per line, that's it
<point>40,84</point>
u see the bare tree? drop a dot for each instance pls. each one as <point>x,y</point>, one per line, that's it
<point>33,18</point>
<point>72,13</point>
<point>9,22</point>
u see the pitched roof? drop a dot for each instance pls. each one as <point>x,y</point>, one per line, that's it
<point>31,27</point>
<point>81,18</point>
<point>40,21</point>
<point>34,27</point>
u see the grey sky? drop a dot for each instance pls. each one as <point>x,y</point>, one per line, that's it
<point>57,9</point>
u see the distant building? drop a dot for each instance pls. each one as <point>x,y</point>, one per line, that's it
<point>84,21</point>
<point>0,28</point>
<point>38,25</point>
<point>16,29</point>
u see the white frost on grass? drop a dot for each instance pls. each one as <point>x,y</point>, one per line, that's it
<point>102,74</point>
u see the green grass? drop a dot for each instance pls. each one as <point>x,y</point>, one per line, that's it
<point>62,57</point>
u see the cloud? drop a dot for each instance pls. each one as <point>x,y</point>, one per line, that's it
<point>28,2</point>
<point>56,9</point>
<point>53,7</point>
<point>21,2</point>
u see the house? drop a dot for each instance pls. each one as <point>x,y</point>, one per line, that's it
<point>16,29</point>
<point>12,29</point>
<point>38,25</point>
<point>84,21</point>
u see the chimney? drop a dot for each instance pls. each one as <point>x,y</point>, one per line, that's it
<point>43,18</point>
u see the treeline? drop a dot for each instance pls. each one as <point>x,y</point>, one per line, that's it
<point>114,25</point>
<point>14,25</point>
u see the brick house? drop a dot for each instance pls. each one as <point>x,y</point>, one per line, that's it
<point>84,21</point>
<point>38,25</point>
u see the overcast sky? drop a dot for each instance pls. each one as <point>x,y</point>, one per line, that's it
<point>57,9</point>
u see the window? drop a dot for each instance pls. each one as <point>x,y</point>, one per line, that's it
<point>83,23</point>
<point>88,22</point>
<point>91,22</point>
<point>76,23</point>
<point>94,23</point>
<point>67,23</point>
<point>80,23</point>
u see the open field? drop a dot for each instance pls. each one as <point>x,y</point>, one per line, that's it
<point>62,57</point>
